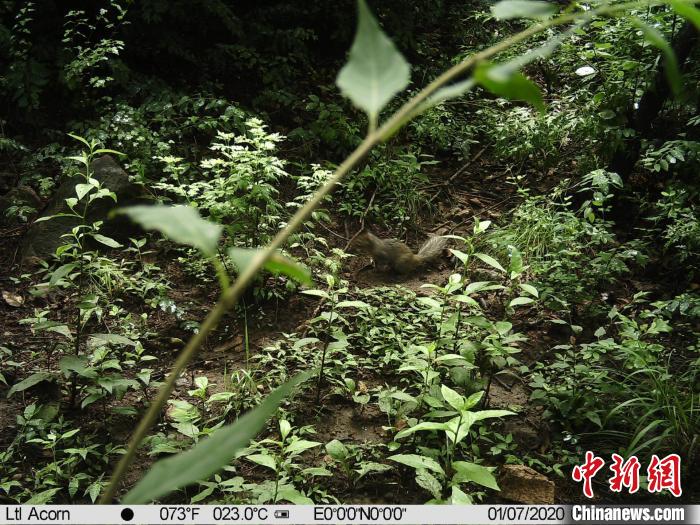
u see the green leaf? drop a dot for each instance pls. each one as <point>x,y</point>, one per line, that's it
<point>463,257</point>
<point>264,460</point>
<point>278,263</point>
<point>285,428</point>
<point>687,11</point>
<point>473,400</point>
<point>60,272</point>
<point>418,462</point>
<point>82,189</point>
<point>490,261</point>
<point>107,241</point>
<point>518,301</point>
<point>507,9</point>
<point>426,425</point>
<point>29,382</point>
<point>211,453</point>
<point>102,151</point>
<point>43,497</point>
<point>180,223</point>
<point>656,39</point>
<point>300,445</point>
<point>77,364</point>
<point>375,70</point>
<point>103,339</point>
<point>455,400</point>
<point>528,288</point>
<point>487,414</point>
<point>80,139</point>
<point>336,450</point>
<point>369,467</point>
<point>465,471</point>
<point>460,498</point>
<point>429,482</point>
<point>505,82</point>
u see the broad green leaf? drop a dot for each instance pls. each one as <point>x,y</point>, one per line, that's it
<point>429,482</point>
<point>210,454</point>
<point>264,460</point>
<point>656,39</point>
<point>418,462</point>
<point>460,498</point>
<point>42,498</point>
<point>528,288</point>
<point>82,189</point>
<point>369,467</point>
<point>179,223</point>
<point>455,400</point>
<point>77,364</point>
<point>337,450</point>
<point>507,9</point>
<point>278,263</point>
<point>291,494</point>
<point>107,241</point>
<point>464,257</point>
<point>519,301</point>
<point>60,272</point>
<point>473,400</point>
<point>103,339</point>
<point>687,11</point>
<point>352,304</point>
<point>300,445</point>
<point>285,428</point>
<point>486,414</point>
<point>29,382</point>
<point>102,151</point>
<point>80,139</point>
<point>458,427</point>
<point>375,70</point>
<point>513,85</point>
<point>316,293</point>
<point>426,425</point>
<point>490,261</point>
<point>465,471</point>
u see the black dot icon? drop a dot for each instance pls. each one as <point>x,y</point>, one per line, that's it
<point>127,514</point>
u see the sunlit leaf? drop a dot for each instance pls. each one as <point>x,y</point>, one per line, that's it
<point>418,462</point>
<point>465,471</point>
<point>490,261</point>
<point>507,9</point>
<point>375,70</point>
<point>210,454</point>
<point>29,382</point>
<point>179,223</point>
<point>278,263</point>
<point>504,82</point>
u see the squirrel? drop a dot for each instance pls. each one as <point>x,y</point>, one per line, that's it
<point>395,255</point>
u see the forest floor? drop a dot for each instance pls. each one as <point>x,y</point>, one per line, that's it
<point>459,195</point>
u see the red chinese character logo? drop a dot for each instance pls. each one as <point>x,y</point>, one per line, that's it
<point>665,474</point>
<point>626,474</point>
<point>586,472</point>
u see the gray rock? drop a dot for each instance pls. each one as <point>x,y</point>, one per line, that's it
<point>21,196</point>
<point>44,237</point>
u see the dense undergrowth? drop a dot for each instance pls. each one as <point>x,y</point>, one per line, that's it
<point>569,305</point>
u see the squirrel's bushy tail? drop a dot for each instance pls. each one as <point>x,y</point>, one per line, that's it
<point>432,248</point>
